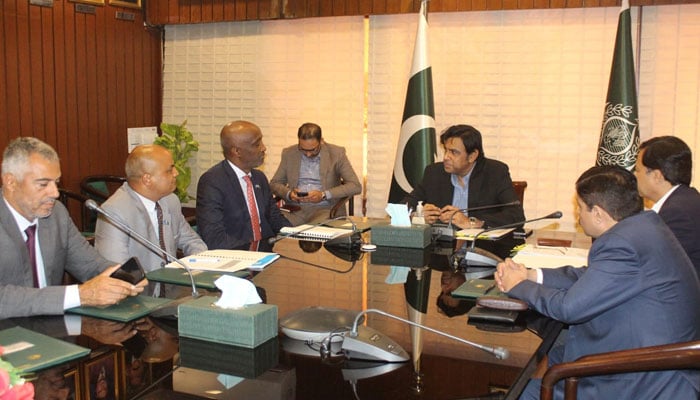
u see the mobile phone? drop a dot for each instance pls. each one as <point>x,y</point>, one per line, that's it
<point>130,271</point>
<point>302,194</point>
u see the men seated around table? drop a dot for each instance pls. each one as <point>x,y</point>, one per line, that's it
<point>664,169</point>
<point>235,207</point>
<point>146,203</point>
<point>639,289</point>
<point>39,242</point>
<point>466,178</point>
<point>314,175</point>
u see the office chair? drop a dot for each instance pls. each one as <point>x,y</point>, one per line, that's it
<point>99,188</point>
<point>519,187</point>
<point>685,355</point>
<point>71,200</point>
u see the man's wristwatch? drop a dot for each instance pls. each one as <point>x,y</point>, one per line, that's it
<point>323,196</point>
<point>472,222</point>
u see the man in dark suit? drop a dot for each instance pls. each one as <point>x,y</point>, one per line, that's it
<point>639,289</point>
<point>466,178</point>
<point>30,174</point>
<point>314,175</point>
<point>223,212</point>
<point>664,169</point>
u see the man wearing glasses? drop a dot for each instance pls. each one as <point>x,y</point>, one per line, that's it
<point>313,175</point>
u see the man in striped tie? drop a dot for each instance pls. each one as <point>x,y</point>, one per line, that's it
<point>235,207</point>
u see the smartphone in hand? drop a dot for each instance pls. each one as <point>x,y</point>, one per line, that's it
<point>130,271</point>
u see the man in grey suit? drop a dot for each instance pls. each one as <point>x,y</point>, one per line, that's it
<point>639,290</point>
<point>150,183</point>
<point>314,175</point>
<point>30,174</point>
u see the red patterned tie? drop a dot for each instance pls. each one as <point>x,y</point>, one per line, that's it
<point>31,247</point>
<point>254,216</point>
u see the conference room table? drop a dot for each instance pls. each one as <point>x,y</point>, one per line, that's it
<point>157,364</point>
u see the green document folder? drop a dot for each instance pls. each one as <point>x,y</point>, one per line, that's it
<point>126,310</point>
<point>29,351</point>
<point>202,279</point>
<point>475,288</point>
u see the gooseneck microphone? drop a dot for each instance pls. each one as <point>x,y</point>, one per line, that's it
<point>92,205</point>
<point>554,215</point>
<point>368,345</point>
<point>463,210</point>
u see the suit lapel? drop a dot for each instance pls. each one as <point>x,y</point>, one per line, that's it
<point>9,225</point>
<point>145,217</point>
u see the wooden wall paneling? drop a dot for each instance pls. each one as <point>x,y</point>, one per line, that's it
<point>240,10</point>
<point>207,10</point>
<point>326,8</point>
<point>379,7</point>
<point>59,73</point>
<point>48,95</point>
<point>269,9</point>
<point>34,75</point>
<point>196,7</point>
<point>218,11</point>
<point>3,74</point>
<point>365,7</point>
<point>114,66</point>
<point>24,67</point>
<point>70,154</point>
<point>81,84</point>
<point>105,142</point>
<point>494,5</point>
<point>510,4</point>
<point>313,8</point>
<point>184,7</point>
<point>352,7</point>
<point>172,11</point>
<point>91,110</point>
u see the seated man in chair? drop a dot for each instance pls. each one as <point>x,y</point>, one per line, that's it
<point>314,175</point>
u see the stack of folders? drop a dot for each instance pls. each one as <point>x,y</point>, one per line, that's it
<point>471,233</point>
<point>312,232</point>
<point>227,260</point>
<point>30,351</point>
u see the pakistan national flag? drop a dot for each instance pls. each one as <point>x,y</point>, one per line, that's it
<point>619,137</point>
<point>417,146</point>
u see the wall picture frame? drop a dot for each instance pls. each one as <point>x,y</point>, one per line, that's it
<point>102,379</point>
<point>125,3</point>
<point>92,2</point>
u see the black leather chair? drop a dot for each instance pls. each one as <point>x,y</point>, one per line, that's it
<point>74,201</point>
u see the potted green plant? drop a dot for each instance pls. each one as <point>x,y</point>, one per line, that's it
<point>180,141</point>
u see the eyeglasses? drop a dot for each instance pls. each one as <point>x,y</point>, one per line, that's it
<point>310,152</point>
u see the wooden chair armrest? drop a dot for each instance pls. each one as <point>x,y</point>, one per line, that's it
<point>655,358</point>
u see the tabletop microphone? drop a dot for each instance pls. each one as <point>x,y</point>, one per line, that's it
<point>293,233</point>
<point>92,205</point>
<point>554,215</point>
<point>354,341</point>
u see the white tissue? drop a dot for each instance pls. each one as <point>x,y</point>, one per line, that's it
<point>399,214</point>
<point>236,292</point>
<point>229,381</point>
<point>397,275</point>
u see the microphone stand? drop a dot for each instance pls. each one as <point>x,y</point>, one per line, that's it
<point>498,352</point>
<point>554,215</point>
<point>463,210</point>
<point>92,205</point>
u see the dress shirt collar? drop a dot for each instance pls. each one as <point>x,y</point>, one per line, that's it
<point>657,206</point>
<point>148,204</point>
<point>22,222</point>
<point>239,172</point>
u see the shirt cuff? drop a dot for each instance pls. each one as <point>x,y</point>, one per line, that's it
<point>540,276</point>
<point>327,194</point>
<point>72,297</point>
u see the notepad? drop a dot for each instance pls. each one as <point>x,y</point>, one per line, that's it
<point>227,260</point>
<point>311,232</point>
<point>30,351</point>
<point>470,234</point>
<point>534,256</point>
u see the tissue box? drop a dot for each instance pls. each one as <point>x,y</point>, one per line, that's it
<point>248,327</point>
<point>415,236</point>
<point>401,256</point>
<point>227,359</point>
